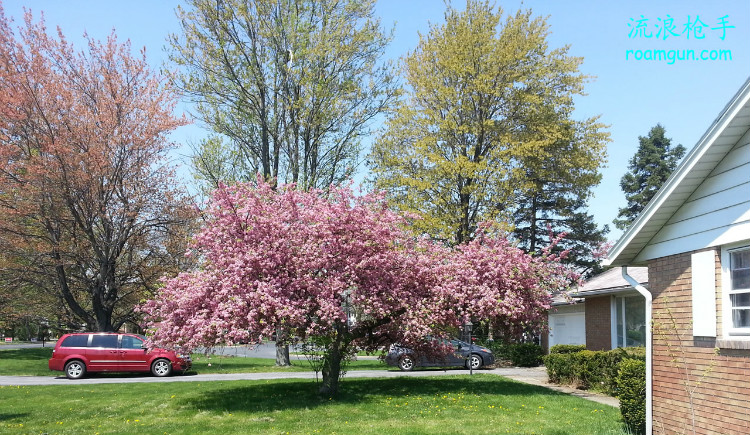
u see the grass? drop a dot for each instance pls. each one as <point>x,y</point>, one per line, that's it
<point>26,362</point>
<point>33,362</point>
<point>481,404</point>
<point>232,364</point>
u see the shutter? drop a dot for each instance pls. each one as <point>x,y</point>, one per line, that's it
<point>703,266</point>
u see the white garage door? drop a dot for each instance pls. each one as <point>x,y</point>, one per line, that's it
<point>567,328</point>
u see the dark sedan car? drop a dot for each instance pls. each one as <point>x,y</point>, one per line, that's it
<point>406,359</point>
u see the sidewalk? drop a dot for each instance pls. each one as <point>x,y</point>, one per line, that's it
<point>538,376</point>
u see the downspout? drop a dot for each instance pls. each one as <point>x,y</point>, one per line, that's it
<point>649,390</point>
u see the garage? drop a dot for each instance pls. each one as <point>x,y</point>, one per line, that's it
<point>567,325</point>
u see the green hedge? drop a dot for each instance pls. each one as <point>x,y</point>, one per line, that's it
<point>588,369</point>
<point>567,348</point>
<point>631,386</point>
<point>519,354</point>
<point>526,354</point>
<point>619,372</point>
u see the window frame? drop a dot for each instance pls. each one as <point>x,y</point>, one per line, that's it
<point>729,331</point>
<point>618,302</point>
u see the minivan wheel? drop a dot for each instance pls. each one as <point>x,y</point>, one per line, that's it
<point>406,363</point>
<point>75,369</point>
<point>474,362</point>
<point>161,368</point>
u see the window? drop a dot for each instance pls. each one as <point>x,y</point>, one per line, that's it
<point>629,321</point>
<point>130,342</point>
<point>104,340</point>
<point>739,290</point>
<point>76,341</point>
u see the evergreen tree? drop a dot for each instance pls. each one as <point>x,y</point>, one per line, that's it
<point>649,168</point>
<point>553,200</point>
<point>541,217</point>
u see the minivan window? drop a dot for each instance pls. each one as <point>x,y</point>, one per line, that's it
<point>75,341</point>
<point>130,342</point>
<point>109,341</point>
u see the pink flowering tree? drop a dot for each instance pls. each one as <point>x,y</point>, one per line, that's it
<point>492,280</point>
<point>307,261</point>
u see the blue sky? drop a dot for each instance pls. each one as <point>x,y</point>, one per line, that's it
<point>631,95</point>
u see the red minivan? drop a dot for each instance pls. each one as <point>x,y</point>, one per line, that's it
<point>78,353</point>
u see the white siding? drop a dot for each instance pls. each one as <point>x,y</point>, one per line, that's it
<point>717,213</point>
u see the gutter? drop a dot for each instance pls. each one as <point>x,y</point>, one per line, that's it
<point>649,352</point>
<point>602,292</point>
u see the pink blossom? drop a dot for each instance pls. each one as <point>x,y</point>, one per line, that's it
<point>304,260</point>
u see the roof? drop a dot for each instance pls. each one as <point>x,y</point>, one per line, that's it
<point>613,280</point>
<point>606,283</point>
<point>731,124</point>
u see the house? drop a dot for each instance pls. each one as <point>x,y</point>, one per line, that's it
<point>604,313</point>
<point>694,237</point>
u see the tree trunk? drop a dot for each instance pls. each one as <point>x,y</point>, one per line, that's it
<point>331,369</point>
<point>282,349</point>
<point>282,355</point>
<point>102,312</point>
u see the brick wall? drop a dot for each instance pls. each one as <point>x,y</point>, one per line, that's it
<point>693,384</point>
<point>599,323</point>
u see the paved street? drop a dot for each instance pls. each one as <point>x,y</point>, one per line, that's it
<point>17,345</point>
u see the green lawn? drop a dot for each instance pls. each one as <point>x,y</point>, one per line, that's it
<point>482,404</point>
<point>33,362</point>
<point>232,364</point>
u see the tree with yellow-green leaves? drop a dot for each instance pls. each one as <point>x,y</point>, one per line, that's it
<point>288,87</point>
<point>486,123</point>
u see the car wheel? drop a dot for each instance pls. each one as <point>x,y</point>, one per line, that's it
<point>474,362</point>
<point>406,363</point>
<point>75,369</point>
<point>161,368</point>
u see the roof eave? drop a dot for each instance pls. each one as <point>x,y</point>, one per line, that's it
<point>614,257</point>
<point>603,292</point>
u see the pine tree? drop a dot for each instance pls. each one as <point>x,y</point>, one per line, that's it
<point>539,218</point>
<point>553,198</point>
<point>649,168</point>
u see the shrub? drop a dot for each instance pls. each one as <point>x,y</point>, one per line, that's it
<point>519,354</point>
<point>525,354</point>
<point>567,348</point>
<point>499,349</point>
<point>560,368</point>
<point>588,369</point>
<point>631,390</point>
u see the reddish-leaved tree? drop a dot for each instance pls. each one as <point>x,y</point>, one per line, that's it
<point>89,209</point>
<point>340,269</point>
